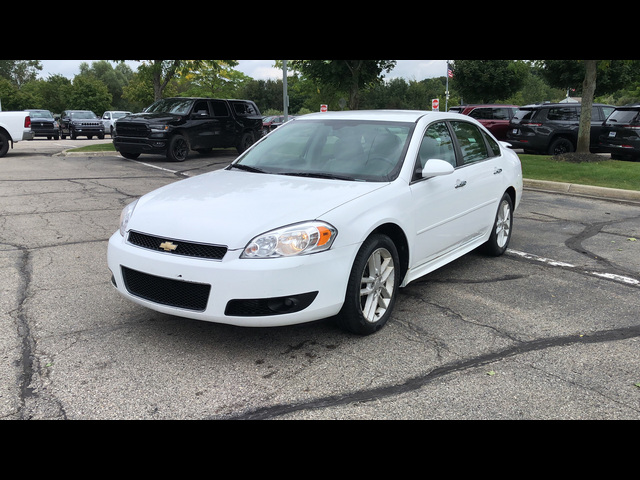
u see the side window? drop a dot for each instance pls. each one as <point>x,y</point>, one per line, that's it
<point>501,114</point>
<point>471,142</point>
<point>481,113</point>
<point>494,149</point>
<point>563,113</point>
<point>201,107</point>
<point>219,109</point>
<point>436,143</point>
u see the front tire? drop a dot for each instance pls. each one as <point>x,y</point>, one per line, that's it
<point>372,288</point>
<point>178,149</point>
<point>502,228</point>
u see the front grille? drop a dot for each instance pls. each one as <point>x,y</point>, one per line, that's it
<point>41,124</point>
<point>186,249</point>
<point>131,129</point>
<point>166,291</point>
<point>90,124</point>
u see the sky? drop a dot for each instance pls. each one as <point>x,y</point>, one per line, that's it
<point>263,69</point>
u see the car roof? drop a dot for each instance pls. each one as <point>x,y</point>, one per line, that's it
<point>576,104</point>
<point>388,115</point>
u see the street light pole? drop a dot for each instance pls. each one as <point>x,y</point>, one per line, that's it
<point>285,97</point>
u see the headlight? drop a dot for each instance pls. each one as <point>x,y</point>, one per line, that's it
<point>125,216</point>
<point>159,128</point>
<point>298,239</point>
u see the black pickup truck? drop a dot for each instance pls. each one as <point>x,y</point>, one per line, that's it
<point>174,126</point>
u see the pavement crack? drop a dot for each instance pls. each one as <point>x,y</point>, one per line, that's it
<point>415,383</point>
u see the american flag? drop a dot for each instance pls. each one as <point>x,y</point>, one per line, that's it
<point>449,71</point>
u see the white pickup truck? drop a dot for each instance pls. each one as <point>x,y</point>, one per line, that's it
<point>14,127</point>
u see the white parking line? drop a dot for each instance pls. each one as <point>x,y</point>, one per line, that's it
<point>154,166</point>
<point>555,263</point>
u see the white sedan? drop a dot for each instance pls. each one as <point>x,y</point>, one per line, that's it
<point>326,216</point>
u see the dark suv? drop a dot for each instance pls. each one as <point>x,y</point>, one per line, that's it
<point>43,124</point>
<point>77,123</point>
<point>552,128</point>
<point>620,133</point>
<point>495,118</point>
<point>174,126</point>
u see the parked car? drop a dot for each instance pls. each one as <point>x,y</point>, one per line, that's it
<point>174,126</point>
<point>328,215</point>
<point>109,118</point>
<point>271,123</point>
<point>77,123</point>
<point>620,133</point>
<point>494,117</point>
<point>43,124</point>
<point>552,128</point>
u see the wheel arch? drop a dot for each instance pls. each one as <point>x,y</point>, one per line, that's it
<point>397,235</point>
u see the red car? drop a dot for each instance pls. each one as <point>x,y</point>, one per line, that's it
<point>494,117</point>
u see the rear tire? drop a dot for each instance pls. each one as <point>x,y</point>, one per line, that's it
<point>245,142</point>
<point>372,288</point>
<point>129,155</point>
<point>560,146</point>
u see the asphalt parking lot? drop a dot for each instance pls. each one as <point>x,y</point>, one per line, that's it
<point>550,330</point>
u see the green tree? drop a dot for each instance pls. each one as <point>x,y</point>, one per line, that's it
<point>88,93</point>
<point>9,99</point>
<point>344,75</point>
<point>115,79</point>
<point>214,78</point>
<point>19,72</point>
<point>485,81</point>
<point>162,72</point>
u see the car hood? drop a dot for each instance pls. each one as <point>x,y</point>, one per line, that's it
<point>153,117</point>
<point>229,207</point>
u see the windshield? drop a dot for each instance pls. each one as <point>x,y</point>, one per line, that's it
<point>342,149</point>
<point>40,114</point>
<point>178,106</point>
<point>119,114</point>
<point>82,115</point>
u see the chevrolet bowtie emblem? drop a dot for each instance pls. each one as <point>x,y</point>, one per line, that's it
<point>168,246</point>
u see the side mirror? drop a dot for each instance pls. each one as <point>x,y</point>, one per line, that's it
<point>436,168</point>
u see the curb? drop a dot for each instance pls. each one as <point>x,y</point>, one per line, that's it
<point>585,190</point>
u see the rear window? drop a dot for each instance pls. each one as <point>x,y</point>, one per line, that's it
<point>525,114</point>
<point>624,116</point>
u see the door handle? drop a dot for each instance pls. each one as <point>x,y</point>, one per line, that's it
<point>461,184</point>
<point>497,171</point>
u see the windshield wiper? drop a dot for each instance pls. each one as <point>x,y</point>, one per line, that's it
<point>330,176</point>
<point>246,168</point>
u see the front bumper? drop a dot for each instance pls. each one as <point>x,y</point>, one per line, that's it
<point>267,284</point>
<point>141,145</point>
<point>45,132</point>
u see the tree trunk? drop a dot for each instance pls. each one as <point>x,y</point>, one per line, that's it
<point>588,90</point>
